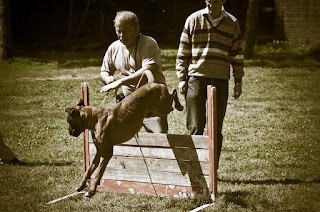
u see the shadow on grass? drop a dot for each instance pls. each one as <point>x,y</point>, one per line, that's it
<point>236,197</point>
<point>271,181</point>
<point>35,164</point>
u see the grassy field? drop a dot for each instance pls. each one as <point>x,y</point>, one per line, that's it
<point>270,158</point>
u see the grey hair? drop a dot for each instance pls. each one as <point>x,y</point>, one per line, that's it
<point>126,17</point>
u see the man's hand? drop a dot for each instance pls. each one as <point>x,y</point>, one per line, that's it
<point>182,87</point>
<point>114,85</point>
<point>237,90</point>
<point>106,77</point>
<point>109,79</point>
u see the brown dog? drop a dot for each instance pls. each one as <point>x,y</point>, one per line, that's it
<point>118,123</point>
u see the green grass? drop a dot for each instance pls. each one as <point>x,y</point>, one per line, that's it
<point>271,153</point>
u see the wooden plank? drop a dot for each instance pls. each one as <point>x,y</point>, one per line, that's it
<point>162,165</point>
<point>166,178</point>
<point>160,153</point>
<point>168,140</point>
<point>128,175</point>
<point>92,150</point>
<point>86,134</point>
<point>188,179</point>
<point>170,154</point>
<point>154,189</point>
<point>176,166</point>
<point>212,141</point>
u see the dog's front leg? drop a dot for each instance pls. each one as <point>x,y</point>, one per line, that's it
<point>89,172</point>
<point>102,167</point>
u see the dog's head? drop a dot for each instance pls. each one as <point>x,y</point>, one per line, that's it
<point>76,126</point>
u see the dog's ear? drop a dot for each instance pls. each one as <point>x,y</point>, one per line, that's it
<point>81,103</point>
<point>72,111</point>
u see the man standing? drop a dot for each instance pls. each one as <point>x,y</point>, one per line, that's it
<point>131,55</point>
<point>209,44</point>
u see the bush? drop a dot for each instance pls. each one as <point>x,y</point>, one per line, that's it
<point>314,52</point>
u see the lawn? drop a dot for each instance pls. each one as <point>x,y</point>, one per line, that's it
<point>271,152</point>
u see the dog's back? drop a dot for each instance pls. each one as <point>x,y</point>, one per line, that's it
<point>126,117</point>
<point>151,97</point>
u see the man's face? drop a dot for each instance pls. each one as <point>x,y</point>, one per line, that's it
<point>215,6</point>
<point>126,33</point>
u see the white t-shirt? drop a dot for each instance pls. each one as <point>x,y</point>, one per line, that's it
<point>120,58</point>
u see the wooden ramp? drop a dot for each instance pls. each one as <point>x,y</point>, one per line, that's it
<point>159,164</point>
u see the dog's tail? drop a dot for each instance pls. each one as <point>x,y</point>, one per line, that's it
<point>177,104</point>
<point>146,77</point>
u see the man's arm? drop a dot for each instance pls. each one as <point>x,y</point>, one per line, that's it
<point>107,67</point>
<point>129,80</point>
<point>236,61</point>
<point>184,57</point>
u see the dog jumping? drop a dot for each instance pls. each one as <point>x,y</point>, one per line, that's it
<point>117,124</point>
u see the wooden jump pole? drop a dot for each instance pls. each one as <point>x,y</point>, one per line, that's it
<point>85,97</point>
<point>212,138</point>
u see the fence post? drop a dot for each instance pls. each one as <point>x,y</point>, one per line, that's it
<point>85,97</point>
<point>212,137</point>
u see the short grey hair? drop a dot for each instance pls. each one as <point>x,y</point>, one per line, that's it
<point>127,17</point>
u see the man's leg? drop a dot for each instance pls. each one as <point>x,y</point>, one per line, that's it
<point>156,124</point>
<point>196,105</point>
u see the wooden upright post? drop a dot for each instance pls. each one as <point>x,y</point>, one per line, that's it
<point>212,137</point>
<point>85,97</point>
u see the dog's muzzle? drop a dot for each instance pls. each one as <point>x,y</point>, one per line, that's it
<point>74,132</point>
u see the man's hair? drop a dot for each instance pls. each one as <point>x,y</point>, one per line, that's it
<point>127,17</point>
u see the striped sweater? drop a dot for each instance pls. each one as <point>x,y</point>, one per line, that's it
<point>209,46</point>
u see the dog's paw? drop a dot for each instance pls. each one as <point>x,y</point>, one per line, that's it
<point>89,193</point>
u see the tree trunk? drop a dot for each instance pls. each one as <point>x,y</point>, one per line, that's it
<point>251,28</point>
<point>70,22</point>
<point>71,39</point>
<point>5,31</point>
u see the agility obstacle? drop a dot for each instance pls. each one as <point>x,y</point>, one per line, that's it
<point>155,164</point>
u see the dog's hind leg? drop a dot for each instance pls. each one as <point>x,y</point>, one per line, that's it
<point>106,156</point>
<point>89,172</point>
